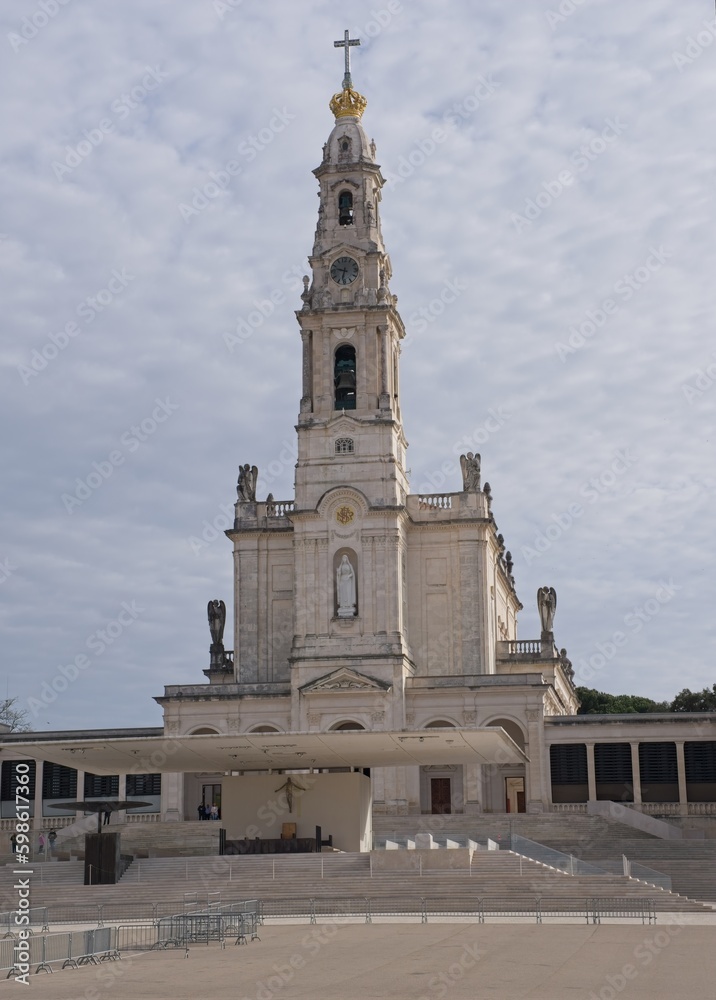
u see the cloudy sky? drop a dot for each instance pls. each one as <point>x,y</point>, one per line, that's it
<point>554,165</point>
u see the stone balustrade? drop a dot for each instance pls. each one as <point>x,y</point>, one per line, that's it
<point>435,501</point>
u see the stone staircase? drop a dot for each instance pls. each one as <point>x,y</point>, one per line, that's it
<point>165,881</point>
<point>691,864</point>
<point>541,827</point>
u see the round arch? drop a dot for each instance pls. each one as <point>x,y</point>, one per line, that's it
<point>511,727</point>
<point>203,731</point>
<point>345,726</point>
<point>264,729</point>
<point>440,724</point>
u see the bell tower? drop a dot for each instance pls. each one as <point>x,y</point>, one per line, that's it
<point>349,427</point>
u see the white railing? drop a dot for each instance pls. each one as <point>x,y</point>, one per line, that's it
<point>702,808</point>
<point>569,807</point>
<point>658,808</point>
<point>522,647</point>
<point>280,508</point>
<point>435,501</point>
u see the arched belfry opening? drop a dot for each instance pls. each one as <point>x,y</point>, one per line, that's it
<point>344,377</point>
<point>345,208</point>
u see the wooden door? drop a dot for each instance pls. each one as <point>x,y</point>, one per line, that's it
<point>440,797</point>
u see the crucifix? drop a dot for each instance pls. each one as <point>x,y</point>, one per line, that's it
<point>345,44</point>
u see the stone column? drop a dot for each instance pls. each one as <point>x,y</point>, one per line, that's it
<point>591,774</point>
<point>80,814</point>
<point>122,795</point>
<point>307,393</point>
<point>535,794</point>
<point>37,819</point>
<point>173,797</point>
<point>384,361</point>
<point>472,782</point>
<point>681,768</point>
<point>636,773</point>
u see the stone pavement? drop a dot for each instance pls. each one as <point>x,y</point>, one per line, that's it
<point>411,962</point>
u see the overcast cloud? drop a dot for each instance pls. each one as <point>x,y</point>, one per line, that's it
<point>568,197</point>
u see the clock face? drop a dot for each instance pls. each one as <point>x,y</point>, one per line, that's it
<point>344,270</point>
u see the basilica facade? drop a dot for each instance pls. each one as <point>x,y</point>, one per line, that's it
<point>360,605</point>
<point>357,604</point>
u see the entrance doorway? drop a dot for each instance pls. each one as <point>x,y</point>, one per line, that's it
<point>515,795</point>
<point>440,796</point>
<point>211,796</point>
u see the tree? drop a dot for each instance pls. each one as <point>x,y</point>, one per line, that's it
<point>12,716</point>
<point>601,703</point>
<point>695,701</point>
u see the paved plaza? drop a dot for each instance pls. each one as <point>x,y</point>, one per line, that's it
<point>411,962</point>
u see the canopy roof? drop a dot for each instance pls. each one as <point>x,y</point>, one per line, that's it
<point>274,751</point>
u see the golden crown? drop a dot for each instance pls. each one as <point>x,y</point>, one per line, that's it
<point>348,102</point>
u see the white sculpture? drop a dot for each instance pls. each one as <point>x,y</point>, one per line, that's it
<point>346,589</point>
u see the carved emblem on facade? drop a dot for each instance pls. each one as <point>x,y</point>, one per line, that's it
<point>345,514</point>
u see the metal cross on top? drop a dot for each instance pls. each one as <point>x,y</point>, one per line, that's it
<point>345,44</point>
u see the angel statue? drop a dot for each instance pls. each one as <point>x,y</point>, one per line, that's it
<point>246,485</point>
<point>470,465</point>
<point>547,605</point>
<point>216,611</point>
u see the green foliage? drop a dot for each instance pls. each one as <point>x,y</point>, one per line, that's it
<point>602,703</point>
<point>695,701</point>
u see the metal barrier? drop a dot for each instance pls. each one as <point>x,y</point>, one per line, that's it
<point>71,949</point>
<point>623,907</point>
<point>566,863</point>
<point>38,917</point>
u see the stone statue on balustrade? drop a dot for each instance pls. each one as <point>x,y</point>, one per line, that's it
<point>566,664</point>
<point>246,485</point>
<point>216,611</point>
<point>470,465</point>
<point>346,589</point>
<point>547,605</point>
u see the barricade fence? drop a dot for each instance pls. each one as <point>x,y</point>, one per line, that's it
<point>68,950</point>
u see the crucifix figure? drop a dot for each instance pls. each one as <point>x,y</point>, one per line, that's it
<point>345,44</point>
<point>288,788</point>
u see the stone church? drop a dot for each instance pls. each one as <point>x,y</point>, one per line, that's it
<point>358,605</point>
